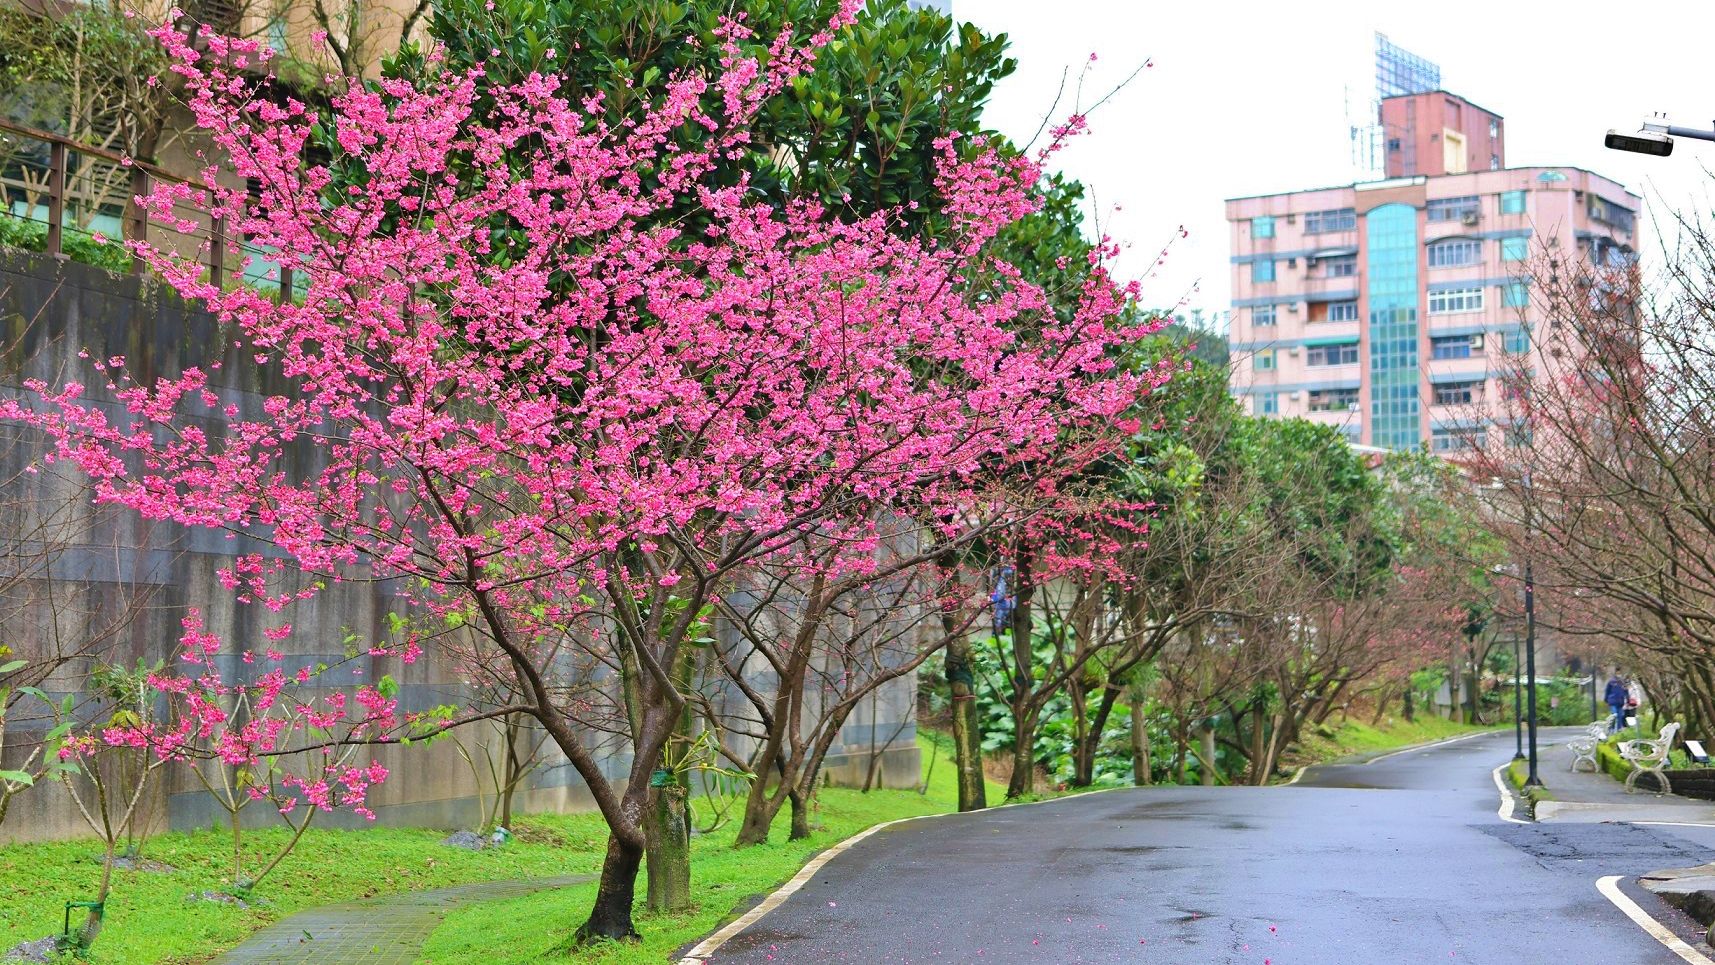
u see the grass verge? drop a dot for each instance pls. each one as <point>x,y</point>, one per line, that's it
<point>149,920</point>
<point>1517,773</point>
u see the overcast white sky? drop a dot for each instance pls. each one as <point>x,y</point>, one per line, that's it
<point>1249,98</point>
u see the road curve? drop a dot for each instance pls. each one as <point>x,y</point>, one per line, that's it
<point>1400,860</point>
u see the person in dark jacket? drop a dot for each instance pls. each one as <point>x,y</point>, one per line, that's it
<point>1617,694</point>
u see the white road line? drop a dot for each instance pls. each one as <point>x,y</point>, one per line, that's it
<point>1424,747</point>
<point>1506,809</point>
<point>1609,886</point>
<point>711,944</point>
<point>1673,824</point>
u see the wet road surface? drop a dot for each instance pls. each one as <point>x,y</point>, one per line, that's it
<point>1403,859</point>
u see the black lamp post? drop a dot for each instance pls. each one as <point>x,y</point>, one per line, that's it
<point>1530,633</point>
<point>1530,658</point>
<point>1518,703</point>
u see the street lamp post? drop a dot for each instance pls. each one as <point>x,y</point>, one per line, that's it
<point>1654,137</point>
<point>1530,658</point>
<point>1518,708</point>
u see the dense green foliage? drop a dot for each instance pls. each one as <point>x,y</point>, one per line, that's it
<point>33,236</point>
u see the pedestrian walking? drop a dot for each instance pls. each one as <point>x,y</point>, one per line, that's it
<point>1617,695</point>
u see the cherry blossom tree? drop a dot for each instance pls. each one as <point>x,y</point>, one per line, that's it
<point>556,420</point>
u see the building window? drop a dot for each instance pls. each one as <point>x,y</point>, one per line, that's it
<point>1518,340</point>
<point>1454,209</point>
<point>1607,212</point>
<point>1267,404</point>
<point>1515,249</point>
<point>1452,301</point>
<point>1393,143</point>
<point>1262,270</point>
<point>1333,400</point>
<point>1518,435</point>
<point>1339,219</point>
<point>1455,253</point>
<point>1343,266</point>
<point>1343,311</point>
<point>1263,361</point>
<point>1346,354</point>
<point>277,34</point>
<point>1494,128</point>
<point>1456,439</point>
<point>1515,295</point>
<point>1262,227</point>
<point>1494,162</point>
<point>1263,315</point>
<point>1456,346</point>
<point>1392,253</point>
<point>1512,202</point>
<point>1458,393</point>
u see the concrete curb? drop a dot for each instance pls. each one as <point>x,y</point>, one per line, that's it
<point>1609,887</point>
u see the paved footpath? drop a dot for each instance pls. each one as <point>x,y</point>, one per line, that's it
<point>389,930</point>
<point>1400,859</point>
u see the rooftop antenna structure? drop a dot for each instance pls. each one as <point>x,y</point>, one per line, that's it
<point>1397,71</point>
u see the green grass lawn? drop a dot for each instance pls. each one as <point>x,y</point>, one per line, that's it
<point>149,921</point>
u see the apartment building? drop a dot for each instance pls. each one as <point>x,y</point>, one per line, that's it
<point>1386,308</point>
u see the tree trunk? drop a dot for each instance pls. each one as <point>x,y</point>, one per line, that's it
<point>1023,779</point>
<point>611,916</point>
<point>667,825</point>
<point>1182,749</point>
<point>1023,727</point>
<point>967,730</point>
<point>800,815</point>
<point>668,828</point>
<point>1207,754</point>
<point>1139,739</point>
<point>1259,743</point>
<point>1406,705</point>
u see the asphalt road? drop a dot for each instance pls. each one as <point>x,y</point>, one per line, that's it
<point>1403,859</point>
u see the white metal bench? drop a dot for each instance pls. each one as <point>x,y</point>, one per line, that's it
<point>1585,744</point>
<point>1649,757</point>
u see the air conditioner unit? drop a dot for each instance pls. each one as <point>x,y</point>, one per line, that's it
<point>1296,396</point>
<point>1291,219</point>
<point>1352,407</point>
<point>1293,351</point>
<point>1292,307</point>
<point>1471,218</point>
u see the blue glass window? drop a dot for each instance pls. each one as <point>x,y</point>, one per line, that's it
<point>1392,282</point>
<point>1262,270</point>
<point>1267,404</point>
<point>1262,227</point>
<point>1515,295</point>
<point>1512,202</point>
<point>1515,249</point>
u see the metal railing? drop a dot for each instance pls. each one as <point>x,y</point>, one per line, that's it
<point>73,190</point>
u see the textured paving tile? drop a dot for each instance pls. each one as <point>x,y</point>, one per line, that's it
<point>380,931</point>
